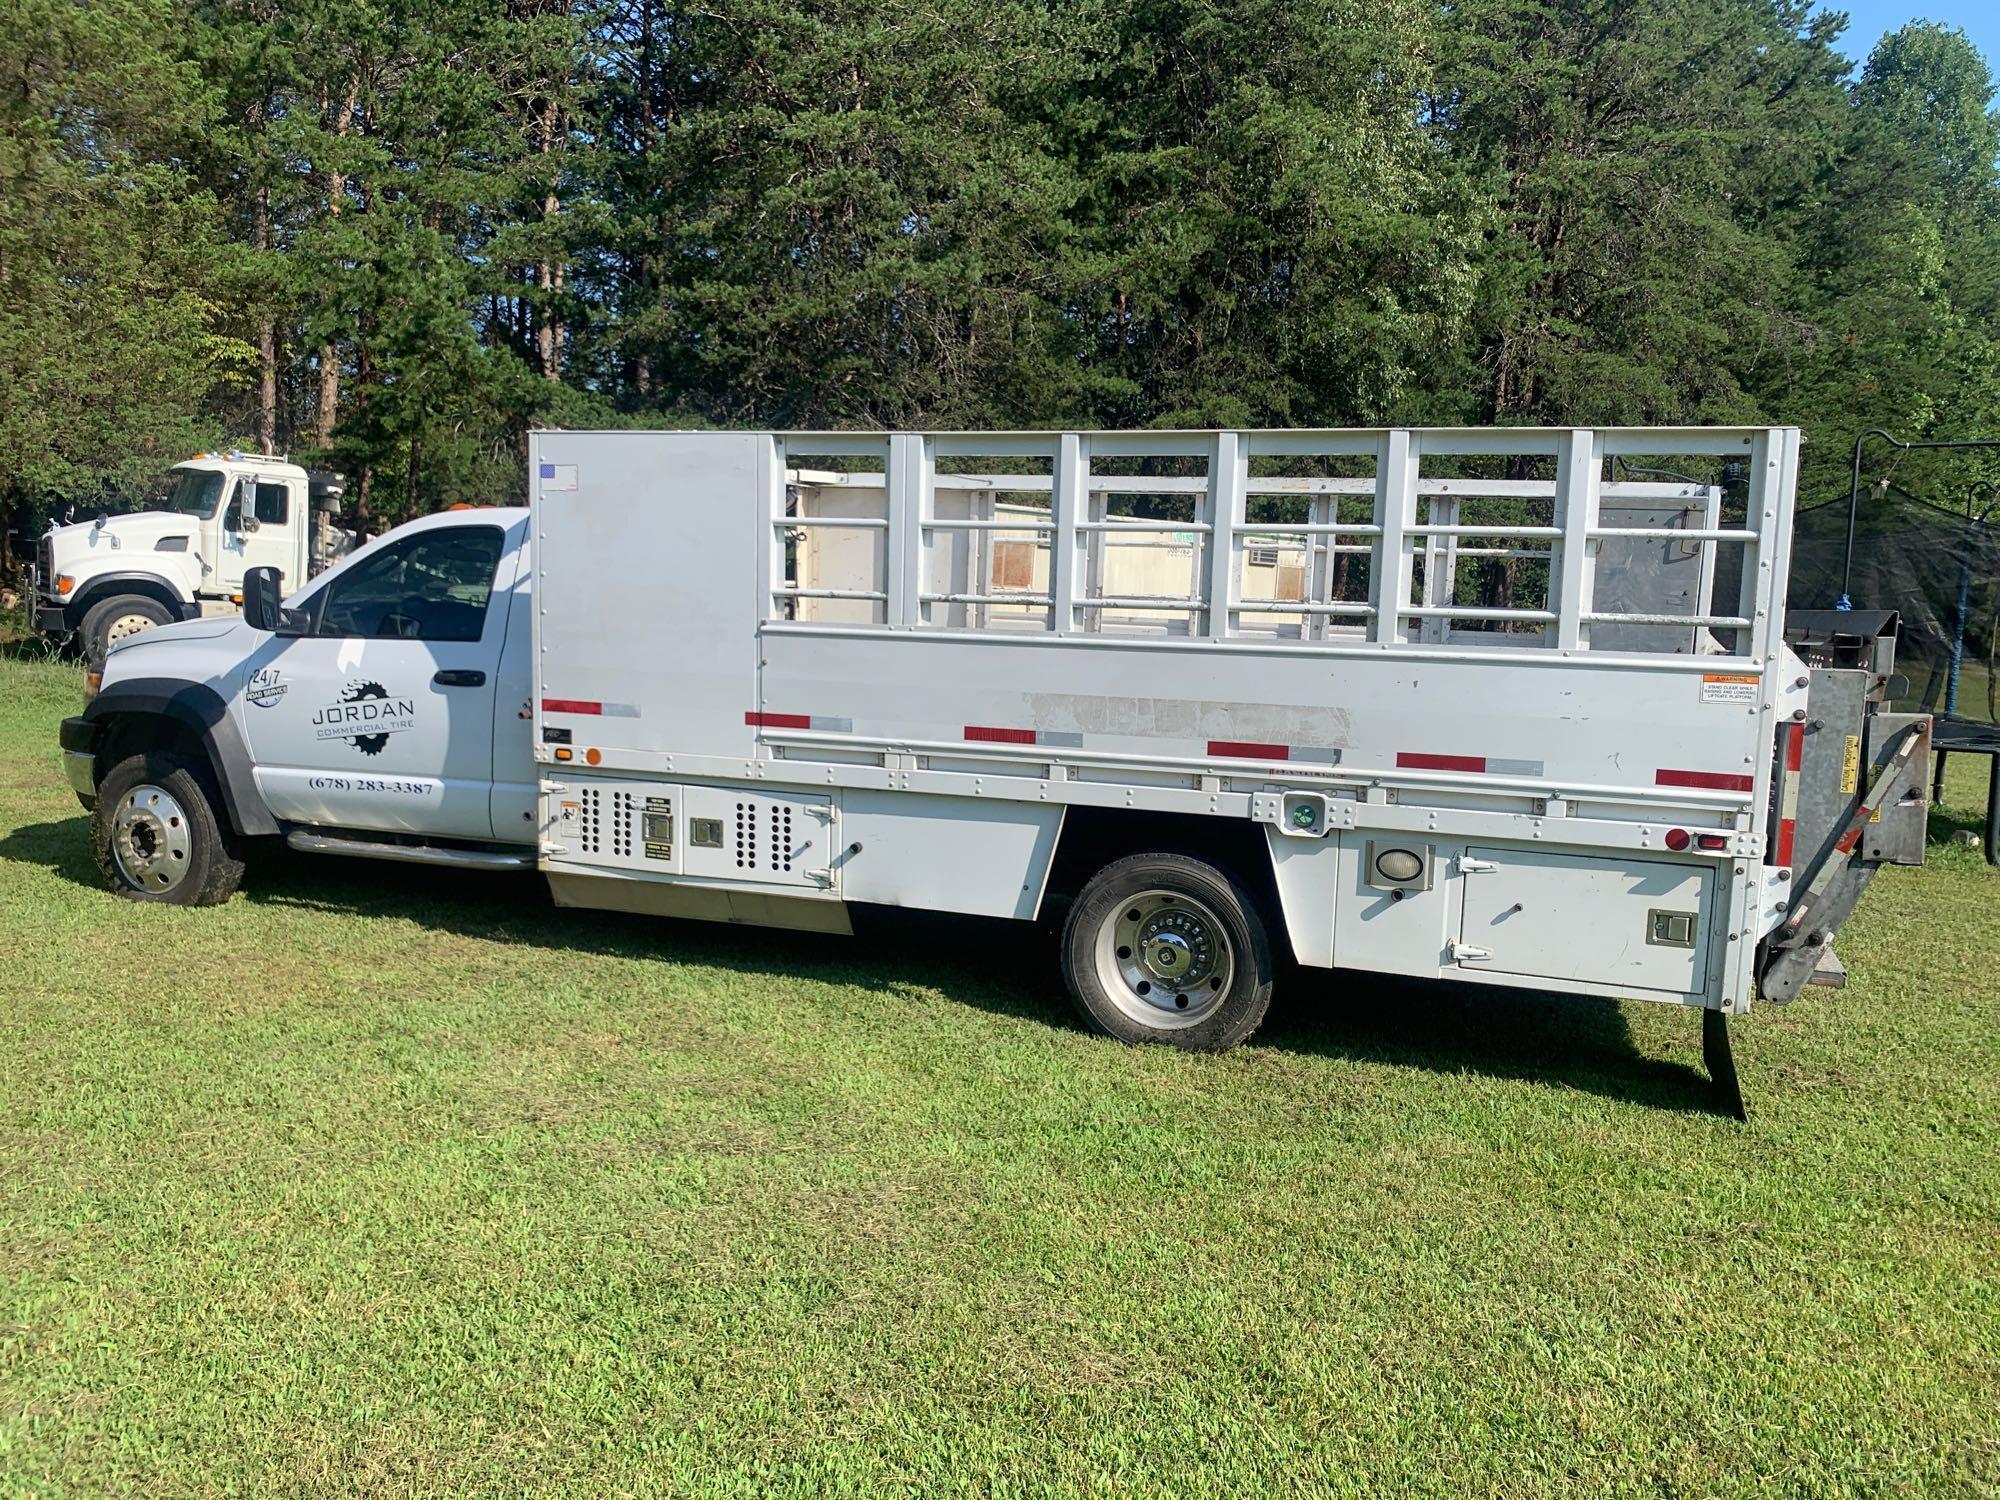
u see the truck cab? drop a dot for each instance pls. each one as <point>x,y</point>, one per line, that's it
<point>221,515</point>
<point>385,705</point>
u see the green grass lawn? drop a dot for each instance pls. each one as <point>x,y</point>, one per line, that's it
<point>382,1180</point>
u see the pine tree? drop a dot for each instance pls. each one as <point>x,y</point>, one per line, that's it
<point>112,335</point>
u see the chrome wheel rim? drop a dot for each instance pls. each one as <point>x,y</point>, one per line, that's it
<point>1165,959</point>
<point>126,625</point>
<point>150,840</point>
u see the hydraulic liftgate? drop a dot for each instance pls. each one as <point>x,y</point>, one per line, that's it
<point>1561,685</point>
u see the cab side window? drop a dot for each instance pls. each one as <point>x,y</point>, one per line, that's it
<point>271,504</point>
<point>433,586</point>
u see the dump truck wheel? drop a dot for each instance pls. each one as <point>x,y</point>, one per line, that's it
<point>156,835</point>
<point>1164,948</point>
<point>109,621</point>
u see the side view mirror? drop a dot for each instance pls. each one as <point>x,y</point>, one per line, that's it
<point>261,609</point>
<point>247,522</point>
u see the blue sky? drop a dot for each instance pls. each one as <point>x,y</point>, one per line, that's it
<point>1867,20</point>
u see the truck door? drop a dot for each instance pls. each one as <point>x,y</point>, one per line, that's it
<point>382,717</point>
<point>263,525</point>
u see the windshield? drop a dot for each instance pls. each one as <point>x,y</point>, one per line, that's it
<point>194,492</point>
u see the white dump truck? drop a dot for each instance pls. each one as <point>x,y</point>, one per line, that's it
<point>222,514</point>
<point>1513,707</point>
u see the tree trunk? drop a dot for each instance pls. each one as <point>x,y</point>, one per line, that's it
<point>328,415</point>
<point>267,335</point>
<point>548,329</point>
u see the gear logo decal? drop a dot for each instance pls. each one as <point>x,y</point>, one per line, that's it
<point>365,717</point>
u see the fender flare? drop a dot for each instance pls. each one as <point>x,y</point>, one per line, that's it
<point>152,586</point>
<point>199,709</point>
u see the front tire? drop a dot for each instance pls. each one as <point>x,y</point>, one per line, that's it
<point>109,621</point>
<point>1163,948</point>
<point>157,837</point>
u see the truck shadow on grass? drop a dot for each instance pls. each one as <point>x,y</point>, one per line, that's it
<point>1562,1041</point>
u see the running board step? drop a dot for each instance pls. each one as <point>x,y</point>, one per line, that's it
<point>413,854</point>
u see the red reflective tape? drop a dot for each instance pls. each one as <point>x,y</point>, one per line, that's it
<point>1848,840</point>
<point>996,736</point>
<point>1249,750</point>
<point>1410,760</point>
<point>778,721</point>
<point>1795,747</point>
<point>1787,829</point>
<point>571,706</point>
<point>1711,781</point>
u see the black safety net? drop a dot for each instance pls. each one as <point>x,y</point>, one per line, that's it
<point>1939,569</point>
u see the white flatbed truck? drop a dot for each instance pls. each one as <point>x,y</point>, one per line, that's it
<point>1459,704</point>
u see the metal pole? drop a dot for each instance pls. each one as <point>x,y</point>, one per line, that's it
<point>1958,633</point>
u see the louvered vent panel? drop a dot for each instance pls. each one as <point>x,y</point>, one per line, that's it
<point>624,814</point>
<point>781,836</point>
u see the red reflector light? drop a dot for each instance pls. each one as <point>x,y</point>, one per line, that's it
<point>1677,839</point>
<point>1713,841</point>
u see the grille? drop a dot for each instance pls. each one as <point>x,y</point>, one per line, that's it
<point>590,838</point>
<point>746,836</point>
<point>45,561</point>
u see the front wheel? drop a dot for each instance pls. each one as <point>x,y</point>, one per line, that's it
<point>109,621</point>
<point>1164,948</point>
<point>157,837</point>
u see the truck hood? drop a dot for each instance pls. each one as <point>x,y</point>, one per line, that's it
<point>177,634</point>
<point>139,532</point>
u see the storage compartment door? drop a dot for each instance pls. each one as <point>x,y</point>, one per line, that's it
<point>1624,924</point>
<point>738,835</point>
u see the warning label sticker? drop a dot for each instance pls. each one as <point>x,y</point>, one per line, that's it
<point>1729,688</point>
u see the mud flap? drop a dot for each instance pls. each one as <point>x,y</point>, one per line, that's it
<point>1721,1063</point>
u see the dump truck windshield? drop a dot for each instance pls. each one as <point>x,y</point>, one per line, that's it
<point>194,492</point>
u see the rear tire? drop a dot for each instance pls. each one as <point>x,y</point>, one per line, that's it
<point>156,834</point>
<point>110,620</point>
<point>1165,949</point>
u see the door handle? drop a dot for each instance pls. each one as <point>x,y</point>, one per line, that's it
<point>460,677</point>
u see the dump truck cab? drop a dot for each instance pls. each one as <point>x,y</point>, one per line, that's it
<point>221,515</point>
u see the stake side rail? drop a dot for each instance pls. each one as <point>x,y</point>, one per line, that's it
<point>1114,570</point>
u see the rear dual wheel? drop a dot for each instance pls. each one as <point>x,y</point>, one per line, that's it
<point>1165,948</point>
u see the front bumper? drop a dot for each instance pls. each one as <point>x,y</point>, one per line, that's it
<point>51,619</point>
<point>79,758</point>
